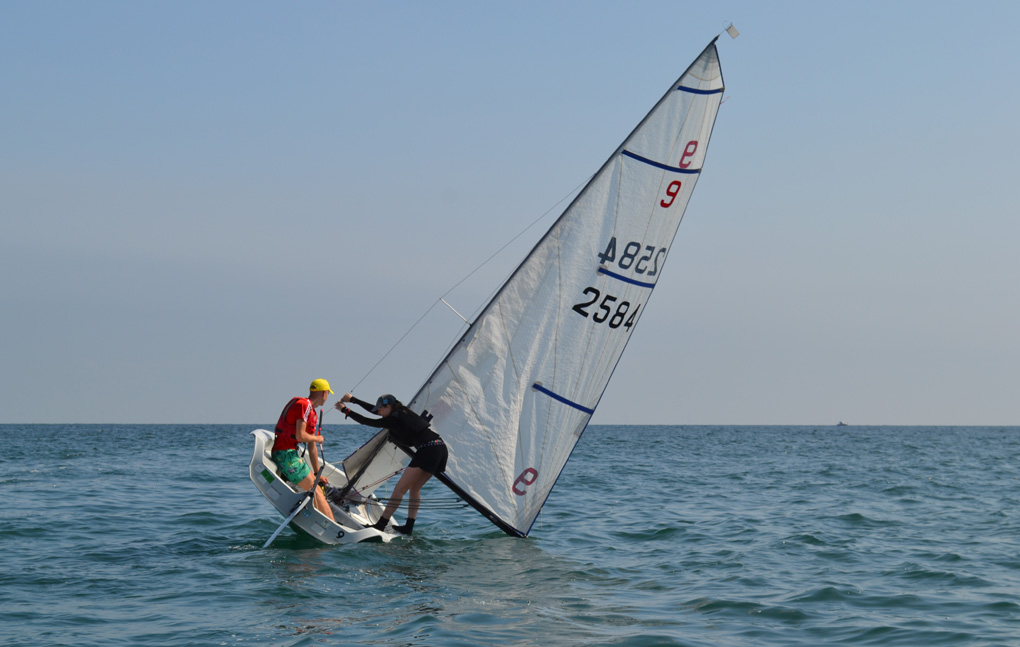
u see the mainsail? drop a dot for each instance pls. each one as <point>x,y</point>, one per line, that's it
<point>515,393</point>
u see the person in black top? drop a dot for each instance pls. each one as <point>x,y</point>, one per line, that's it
<point>410,430</point>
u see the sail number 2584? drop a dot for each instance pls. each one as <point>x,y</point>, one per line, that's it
<point>607,308</point>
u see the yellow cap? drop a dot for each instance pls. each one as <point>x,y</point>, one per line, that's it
<point>319,385</point>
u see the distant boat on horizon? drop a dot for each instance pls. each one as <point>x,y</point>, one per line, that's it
<point>841,424</point>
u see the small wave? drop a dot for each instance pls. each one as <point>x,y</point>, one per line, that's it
<point>825,594</point>
<point>651,534</point>
<point>860,520</point>
<point>915,572</point>
<point>885,636</point>
<point>805,538</point>
<point>745,608</point>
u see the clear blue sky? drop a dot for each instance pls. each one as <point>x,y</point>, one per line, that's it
<point>206,205</point>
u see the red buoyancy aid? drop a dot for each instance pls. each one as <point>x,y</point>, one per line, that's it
<point>286,427</point>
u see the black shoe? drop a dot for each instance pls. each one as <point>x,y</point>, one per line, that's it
<point>381,524</point>
<point>406,528</point>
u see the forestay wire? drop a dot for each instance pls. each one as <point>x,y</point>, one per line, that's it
<point>442,297</point>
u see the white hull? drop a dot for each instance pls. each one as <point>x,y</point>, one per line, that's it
<point>353,521</point>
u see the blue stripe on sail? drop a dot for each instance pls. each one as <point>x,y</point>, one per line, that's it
<point>664,167</point>
<point>560,398</point>
<point>625,279</point>
<point>696,91</point>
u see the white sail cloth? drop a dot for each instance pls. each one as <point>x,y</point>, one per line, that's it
<point>516,392</point>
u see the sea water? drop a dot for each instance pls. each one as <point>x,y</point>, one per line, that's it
<point>667,535</point>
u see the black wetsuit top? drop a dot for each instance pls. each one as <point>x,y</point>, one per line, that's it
<point>406,427</point>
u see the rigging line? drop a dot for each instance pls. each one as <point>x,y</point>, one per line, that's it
<point>514,239</point>
<point>451,502</point>
<point>458,284</point>
<point>393,347</point>
<point>437,499</point>
<point>423,506</point>
<point>499,286</point>
<point>434,506</point>
<point>455,311</point>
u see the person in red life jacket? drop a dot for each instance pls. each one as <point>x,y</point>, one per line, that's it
<point>297,425</point>
<point>409,429</point>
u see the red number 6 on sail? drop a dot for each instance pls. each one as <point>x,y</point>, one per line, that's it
<point>526,478</point>
<point>671,192</point>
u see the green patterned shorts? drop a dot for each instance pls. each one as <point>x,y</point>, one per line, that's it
<point>292,466</point>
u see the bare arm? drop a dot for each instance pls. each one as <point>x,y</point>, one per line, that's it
<point>313,456</point>
<point>302,435</point>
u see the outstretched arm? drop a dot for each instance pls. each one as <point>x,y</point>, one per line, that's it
<point>378,423</point>
<point>347,397</point>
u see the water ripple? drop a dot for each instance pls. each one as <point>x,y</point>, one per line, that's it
<point>734,536</point>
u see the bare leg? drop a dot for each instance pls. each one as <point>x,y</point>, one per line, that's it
<point>412,503</point>
<point>322,505</point>
<point>415,499</point>
<point>412,479</point>
<point>407,479</point>
<point>319,498</point>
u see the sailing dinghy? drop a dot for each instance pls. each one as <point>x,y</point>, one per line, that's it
<point>354,515</point>
<point>515,393</point>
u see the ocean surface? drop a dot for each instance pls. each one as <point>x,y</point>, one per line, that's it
<point>152,535</point>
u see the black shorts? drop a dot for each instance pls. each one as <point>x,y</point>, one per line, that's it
<point>431,458</point>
